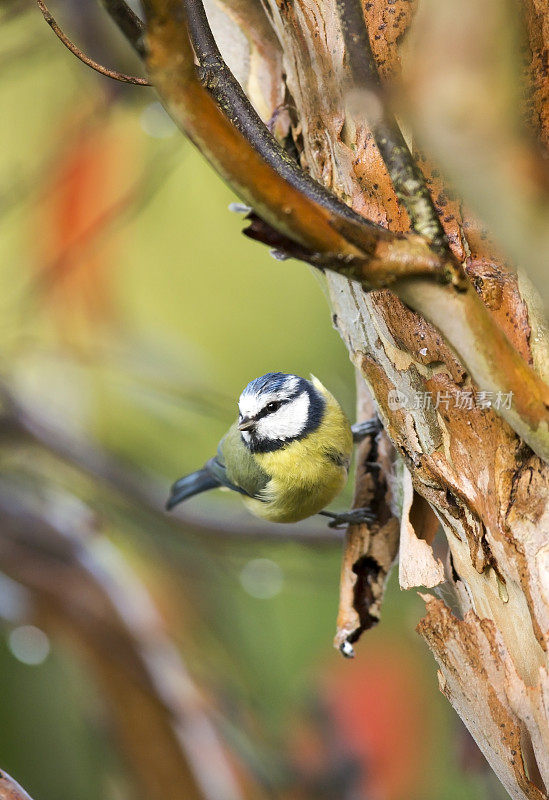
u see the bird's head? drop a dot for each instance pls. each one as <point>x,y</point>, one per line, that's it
<point>277,408</point>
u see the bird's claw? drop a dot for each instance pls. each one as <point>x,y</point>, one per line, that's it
<point>357,516</point>
<point>370,427</point>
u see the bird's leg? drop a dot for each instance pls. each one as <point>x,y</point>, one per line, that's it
<point>356,516</point>
<point>370,427</point>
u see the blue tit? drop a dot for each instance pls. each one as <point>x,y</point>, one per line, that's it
<point>287,455</point>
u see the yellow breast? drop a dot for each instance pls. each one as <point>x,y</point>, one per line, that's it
<point>307,474</point>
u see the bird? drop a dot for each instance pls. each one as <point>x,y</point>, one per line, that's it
<point>287,454</point>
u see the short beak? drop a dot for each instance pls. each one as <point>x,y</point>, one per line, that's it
<point>245,424</point>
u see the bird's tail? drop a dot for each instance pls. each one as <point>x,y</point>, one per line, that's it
<point>195,483</point>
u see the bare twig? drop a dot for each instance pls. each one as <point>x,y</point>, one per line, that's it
<point>110,73</point>
<point>406,177</point>
<point>128,22</point>
<point>84,589</point>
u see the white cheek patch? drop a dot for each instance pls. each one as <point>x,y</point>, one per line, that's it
<point>289,421</point>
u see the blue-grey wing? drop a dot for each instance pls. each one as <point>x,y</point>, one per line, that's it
<point>219,471</point>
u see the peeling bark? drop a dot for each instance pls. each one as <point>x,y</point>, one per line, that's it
<point>370,551</point>
<point>478,677</point>
<point>418,565</point>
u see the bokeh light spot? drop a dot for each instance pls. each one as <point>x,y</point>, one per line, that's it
<point>29,644</point>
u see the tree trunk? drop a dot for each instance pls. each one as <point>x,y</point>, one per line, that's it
<point>487,489</point>
<point>468,440</point>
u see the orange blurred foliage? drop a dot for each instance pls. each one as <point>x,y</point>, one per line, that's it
<point>378,702</point>
<point>88,185</point>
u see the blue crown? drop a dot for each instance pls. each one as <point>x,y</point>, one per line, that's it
<point>271,382</point>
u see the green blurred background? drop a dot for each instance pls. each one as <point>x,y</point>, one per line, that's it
<point>133,313</point>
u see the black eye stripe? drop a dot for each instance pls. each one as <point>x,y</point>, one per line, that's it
<point>268,409</point>
<point>271,407</point>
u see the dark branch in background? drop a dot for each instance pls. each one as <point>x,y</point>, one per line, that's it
<point>110,73</point>
<point>138,490</point>
<point>406,177</point>
<point>78,586</point>
<point>128,22</point>
<point>81,587</point>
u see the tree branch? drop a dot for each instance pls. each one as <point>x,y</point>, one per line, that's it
<point>110,73</point>
<point>229,95</point>
<point>10,789</point>
<point>332,235</point>
<point>128,22</point>
<point>225,89</point>
<point>406,177</point>
<point>488,355</point>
